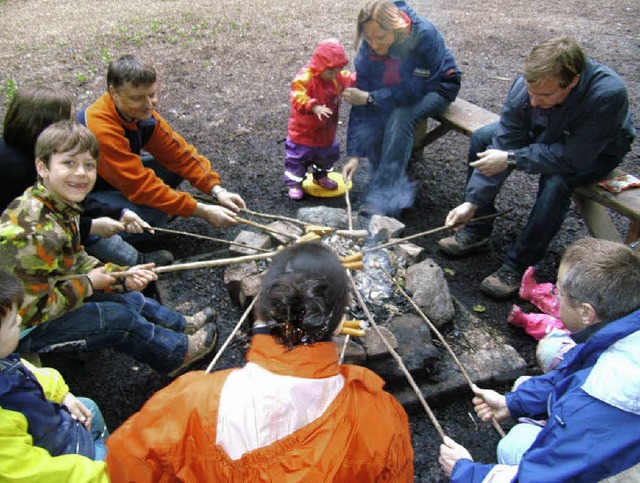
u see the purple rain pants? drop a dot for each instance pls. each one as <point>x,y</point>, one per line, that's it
<point>299,157</point>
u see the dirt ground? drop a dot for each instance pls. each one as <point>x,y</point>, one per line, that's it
<point>225,72</point>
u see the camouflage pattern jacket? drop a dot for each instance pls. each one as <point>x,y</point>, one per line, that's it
<point>39,243</point>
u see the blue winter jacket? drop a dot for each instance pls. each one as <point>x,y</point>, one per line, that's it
<point>593,125</point>
<point>49,423</point>
<point>424,64</point>
<point>592,405</point>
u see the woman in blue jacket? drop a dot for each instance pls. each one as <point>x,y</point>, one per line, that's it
<point>404,73</point>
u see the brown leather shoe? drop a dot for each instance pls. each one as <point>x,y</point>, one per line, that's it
<point>501,284</point>
<point>463,244</point>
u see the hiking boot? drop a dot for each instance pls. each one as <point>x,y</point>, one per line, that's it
<point>295,192</point>
<point>199,345</point>
<point>196,321</point>
<point>463,243</point>
<point>501,284</point>
<point>326,182</point>
<point>159,257</point>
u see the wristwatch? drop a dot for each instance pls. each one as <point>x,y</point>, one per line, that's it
<point>371,101</point>
<point>215,192</point>
<point>511,159</point>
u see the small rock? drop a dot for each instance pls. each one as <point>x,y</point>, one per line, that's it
<point>250,239</point>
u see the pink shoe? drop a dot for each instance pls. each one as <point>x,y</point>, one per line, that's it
<point>295,192</point>
<point>326,182</point>
<point>539,294</point>
<point>536,325</point>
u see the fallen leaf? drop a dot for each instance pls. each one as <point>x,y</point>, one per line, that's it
<point>449,272</point>
<point>479,308</point>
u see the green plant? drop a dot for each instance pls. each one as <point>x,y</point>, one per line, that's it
<point>156,25</point>
<point>10,88</point>
<point>105,55</point>
<point>82,78</point>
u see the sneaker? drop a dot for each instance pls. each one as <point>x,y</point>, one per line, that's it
<point>463,244</point>
<point>501,284</point>
<point>199,345</point>
<point>196,321</point>
<point>326,182</point>
<point>295,192</point>
<point>159,257</point>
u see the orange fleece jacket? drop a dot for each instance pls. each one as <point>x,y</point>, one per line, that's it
<point>124,170</point>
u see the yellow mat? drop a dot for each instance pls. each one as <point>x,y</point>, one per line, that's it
<point>312,189</point>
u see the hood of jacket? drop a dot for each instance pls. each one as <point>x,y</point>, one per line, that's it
<point>329,54</point>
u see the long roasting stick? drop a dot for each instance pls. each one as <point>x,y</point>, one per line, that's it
<point>398,359</point>
<point>204,237</point>
<point>232,335</point>
<point>435,230</point>
<point>433,328</point>
<point>265,228</point>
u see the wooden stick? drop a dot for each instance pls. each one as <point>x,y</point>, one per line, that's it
<point>435,230</point>
<point>254,213</point>
<point>265,228</point>
<point>274,217</point>
<point>433,328</point>
<point>397,357</point>
<point>232,335</point>
<point>186,266</point>
<point>348,201</point>
<point>220,240</point>
<point>344,348</point>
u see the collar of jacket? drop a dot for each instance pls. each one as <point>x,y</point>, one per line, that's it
<point>9,361</point>
<point>55,204</point>
<point>315,361</point>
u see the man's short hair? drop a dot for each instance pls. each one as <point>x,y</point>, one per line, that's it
<point>558,58</point>
<point>132,69</point>
<point>64,136</point>
<point>30,111</point>
<point>604,274</point>
<point>11,292</point>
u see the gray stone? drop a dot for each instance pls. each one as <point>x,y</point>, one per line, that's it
<point>250,239</point>
<point>286,227</point>
<point>235,274</point>
<point>374,346</point>
<point>382,228</point>
<point>430,291</point>
<point>354,353</point>
<point>483,353</point>
<point>249,288</point>
<point>323,215</point>
<point>408,251</point>
<point>415,347</point>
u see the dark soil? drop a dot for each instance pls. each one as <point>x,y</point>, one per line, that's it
<point>226,68</point>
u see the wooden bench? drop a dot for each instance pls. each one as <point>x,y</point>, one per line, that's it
<point>592,201</point>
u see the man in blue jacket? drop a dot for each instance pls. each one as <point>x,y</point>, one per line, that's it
<point>566,119</point>
<point>591,401</point>
<point>404,73</point>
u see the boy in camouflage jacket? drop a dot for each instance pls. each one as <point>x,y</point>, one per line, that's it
<point>71,300</point>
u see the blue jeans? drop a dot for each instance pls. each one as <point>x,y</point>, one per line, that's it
<point>514,445</point>
<point>112,249</point>
<point>98,430</point>
<point>389,150</point>
<point>548,212</point>
<point>129,323</point>
<point>151,215</point>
